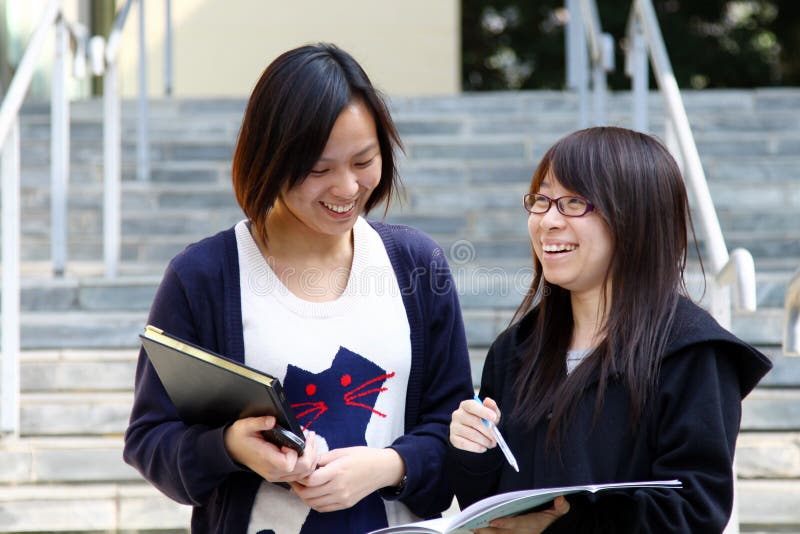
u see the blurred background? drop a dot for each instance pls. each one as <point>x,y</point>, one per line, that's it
<point>117,128</point>
<point>418,48</point>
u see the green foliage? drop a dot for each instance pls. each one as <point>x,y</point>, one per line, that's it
<point>513,44</point>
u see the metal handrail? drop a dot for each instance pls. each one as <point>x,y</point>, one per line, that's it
<point>736,270</point>
<point>601,48</point>
<point>643,27</point>
<point>584,34</point>
<point>740,271</point>
<point>791,317</point>
<point>112,139</point>
<point>12,103</point>
<point>10,142</point>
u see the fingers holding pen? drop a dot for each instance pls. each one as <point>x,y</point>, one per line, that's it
<point>468,431</point>
<point>494,417</point>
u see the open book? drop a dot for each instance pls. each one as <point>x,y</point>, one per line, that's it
<point>478,515</point>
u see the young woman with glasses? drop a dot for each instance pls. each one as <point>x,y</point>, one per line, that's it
<point>608,372</point>
<point>359,320</point>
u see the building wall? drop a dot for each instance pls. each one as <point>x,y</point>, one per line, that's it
<point>220,47</point>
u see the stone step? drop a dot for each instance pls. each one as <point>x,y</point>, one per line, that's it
<point>764,506</point>
<point>764,327</point>
<point>159,219</point>
<point>779,103</point>
<point>785,373</point>
<point>76,312</point>
<point>95,329</point>
<point>104,370</point>
<point>97,403</point>
<point>158,248</point>
<point>772,409</point>
<point>30,460</point>
<point>86,507</point>
<point>82,484</point>
<point>111,328</point>
<point>482,282</point>
<point>88,294</point>
<point>744,169</point>
<point>74,414</point>
<point>36,176</point>
<point>58,460</point>
<point>769,505</point>
<point>774,172</point>
<point>92,371</point>
<point>768,455</point>
<point>88,393</point>
<point>198,216</point>
<point>707,126</point>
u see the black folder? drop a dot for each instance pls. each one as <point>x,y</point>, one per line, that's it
<point>213,390</point>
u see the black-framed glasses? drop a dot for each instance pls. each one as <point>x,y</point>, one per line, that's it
<point>569,206</point>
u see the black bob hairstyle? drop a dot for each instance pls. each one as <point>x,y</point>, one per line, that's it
<point>289,118</point>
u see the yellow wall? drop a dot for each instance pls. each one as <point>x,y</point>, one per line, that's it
<point>407,47</point>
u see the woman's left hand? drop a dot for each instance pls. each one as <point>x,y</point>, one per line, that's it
<point>528,523</point>
<point>345,476</point>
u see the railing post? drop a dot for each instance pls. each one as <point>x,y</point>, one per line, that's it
<point>59,151</point>
<point>143,119</point>
<point>715,244</point>
<point>571,43</point>
<point>580,56</point>
<point>111,170</point>
<point>599,92</point>
<point>112,144</point>
<point>605,63</point>
<point>721,311</point>
<point>637,68</point>
<point>168,48</point>
<point>791,319</point>
<point>9,361</point>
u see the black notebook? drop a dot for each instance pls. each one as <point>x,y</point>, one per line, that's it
<point>213,390</point>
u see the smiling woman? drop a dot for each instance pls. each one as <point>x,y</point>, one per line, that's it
<point>338,187</point>
<point>608,372</point>
<point>373,371</point>
<point>572,243</point>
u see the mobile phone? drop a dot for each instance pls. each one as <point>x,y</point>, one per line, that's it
<point>285,438</point>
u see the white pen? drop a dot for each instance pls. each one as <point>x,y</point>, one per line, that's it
<point>499,437</point>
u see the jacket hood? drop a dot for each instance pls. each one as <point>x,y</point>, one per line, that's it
<point>691,326</point>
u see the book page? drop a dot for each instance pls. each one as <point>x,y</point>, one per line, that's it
<point>530,499</point>
<point>479,514</point>
<point>431,526</point>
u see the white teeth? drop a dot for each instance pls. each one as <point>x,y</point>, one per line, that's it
<point>339,208</point>
<point>559,248</point>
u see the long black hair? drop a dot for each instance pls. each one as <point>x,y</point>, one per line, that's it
<point>637,189</point>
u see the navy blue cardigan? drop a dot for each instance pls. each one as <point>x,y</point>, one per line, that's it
<point>199,300</point>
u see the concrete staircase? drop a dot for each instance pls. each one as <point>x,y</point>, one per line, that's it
<point>468,161</point>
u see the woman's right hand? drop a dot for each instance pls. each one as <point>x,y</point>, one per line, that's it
<point>467,430</point>
<point>246,445</point>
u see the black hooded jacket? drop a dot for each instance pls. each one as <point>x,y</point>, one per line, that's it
<point>688,432</point>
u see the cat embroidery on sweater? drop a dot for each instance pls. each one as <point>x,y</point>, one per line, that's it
<point>337,404</point>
